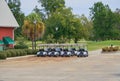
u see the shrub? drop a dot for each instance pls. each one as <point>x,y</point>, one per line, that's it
<point>21,47</point>
<point>13,53</point>
<point>34,51</point>
<point>21,52</point>
<point>8,54</point>
<point>30,51</point>
<point>3,55</point>
<point>16,52</point>
<point>21,44</point>
<point>24,52</point>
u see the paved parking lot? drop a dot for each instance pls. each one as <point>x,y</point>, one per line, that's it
<point>96,67</point>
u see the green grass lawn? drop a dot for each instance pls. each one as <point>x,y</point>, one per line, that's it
<point>91,45</point>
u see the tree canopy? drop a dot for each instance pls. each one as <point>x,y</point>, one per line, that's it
<point>19,15</point>
<point>50,6</point>
<point>33,27</point>
<point>61,25</point>
<point>103,22</point>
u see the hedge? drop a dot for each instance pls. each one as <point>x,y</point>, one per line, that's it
<point>21,47</point>
<point>16,52</point>
<point>2,55</point>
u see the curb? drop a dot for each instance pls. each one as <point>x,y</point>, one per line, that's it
<point>10,58</point>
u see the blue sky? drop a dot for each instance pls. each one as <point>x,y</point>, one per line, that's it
<point>79,6</point>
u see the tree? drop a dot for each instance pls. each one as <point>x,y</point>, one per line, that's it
<point>50,6</point>
<point>76,29</point>
<point>69,27</point>
<point>61,19</point>
<point>102,18</point>
<point>58,16</point>
<point>40,13</point>
<point>15,8</point>
<point>56,20</point>
<point>116,24</point>
<point>33,30</point>
<point>87,27</point>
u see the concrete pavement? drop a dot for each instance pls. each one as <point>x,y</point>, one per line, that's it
<point>96,67</point>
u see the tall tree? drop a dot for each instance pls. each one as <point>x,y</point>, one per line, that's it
<point>77,29</point>
<point>15,8</point>
<point>40,13</point>
<point>61,24</point>
<point>87,27</point>
<point>57,20</point>
<point>51,6</point>
<point>33,28</point>
<point>69,26</point>
<point>117,24</point>
<point>102,21</point>
<point>62,20</point>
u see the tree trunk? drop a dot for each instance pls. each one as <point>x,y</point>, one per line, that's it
<point>32,44</point>
<point>76,40</point>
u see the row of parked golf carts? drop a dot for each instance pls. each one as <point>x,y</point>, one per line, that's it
<point>63,50</point>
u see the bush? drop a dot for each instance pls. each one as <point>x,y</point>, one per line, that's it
<point>22,52</point>
<point>21,47</point>
<point>16,52</point>
<point>3,55</point>
<point>8,54</point>
<point>21,44</point>
<point>29,51</point>
<point>35,51</point>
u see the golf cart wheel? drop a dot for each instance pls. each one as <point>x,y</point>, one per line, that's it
<point>78,56</point>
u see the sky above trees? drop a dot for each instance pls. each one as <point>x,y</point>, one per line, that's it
<point>79,6</point>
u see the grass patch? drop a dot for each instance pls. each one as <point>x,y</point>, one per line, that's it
<point>93,45</point>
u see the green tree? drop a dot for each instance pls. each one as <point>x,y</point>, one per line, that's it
<point>50,6</point>
<point>69,27</point>
<point>61,19</point>
<point>102,18</point>
<point>87,27</point>
<point>33,28</point>
<point>15,8</point>
<point>76,31</point>
<point>116,26</point>
<point>61,24</point>
<point>40,13</point>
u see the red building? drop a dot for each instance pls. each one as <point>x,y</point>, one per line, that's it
<point>8,24</point>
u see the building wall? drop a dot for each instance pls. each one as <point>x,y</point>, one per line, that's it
<point>6,31</point>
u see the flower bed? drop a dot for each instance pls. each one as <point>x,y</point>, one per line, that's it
<point>110,49</point>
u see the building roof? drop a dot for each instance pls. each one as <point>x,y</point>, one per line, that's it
<point>7,19</point>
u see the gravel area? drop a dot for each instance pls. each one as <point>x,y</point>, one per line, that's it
<point>97,67</point>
